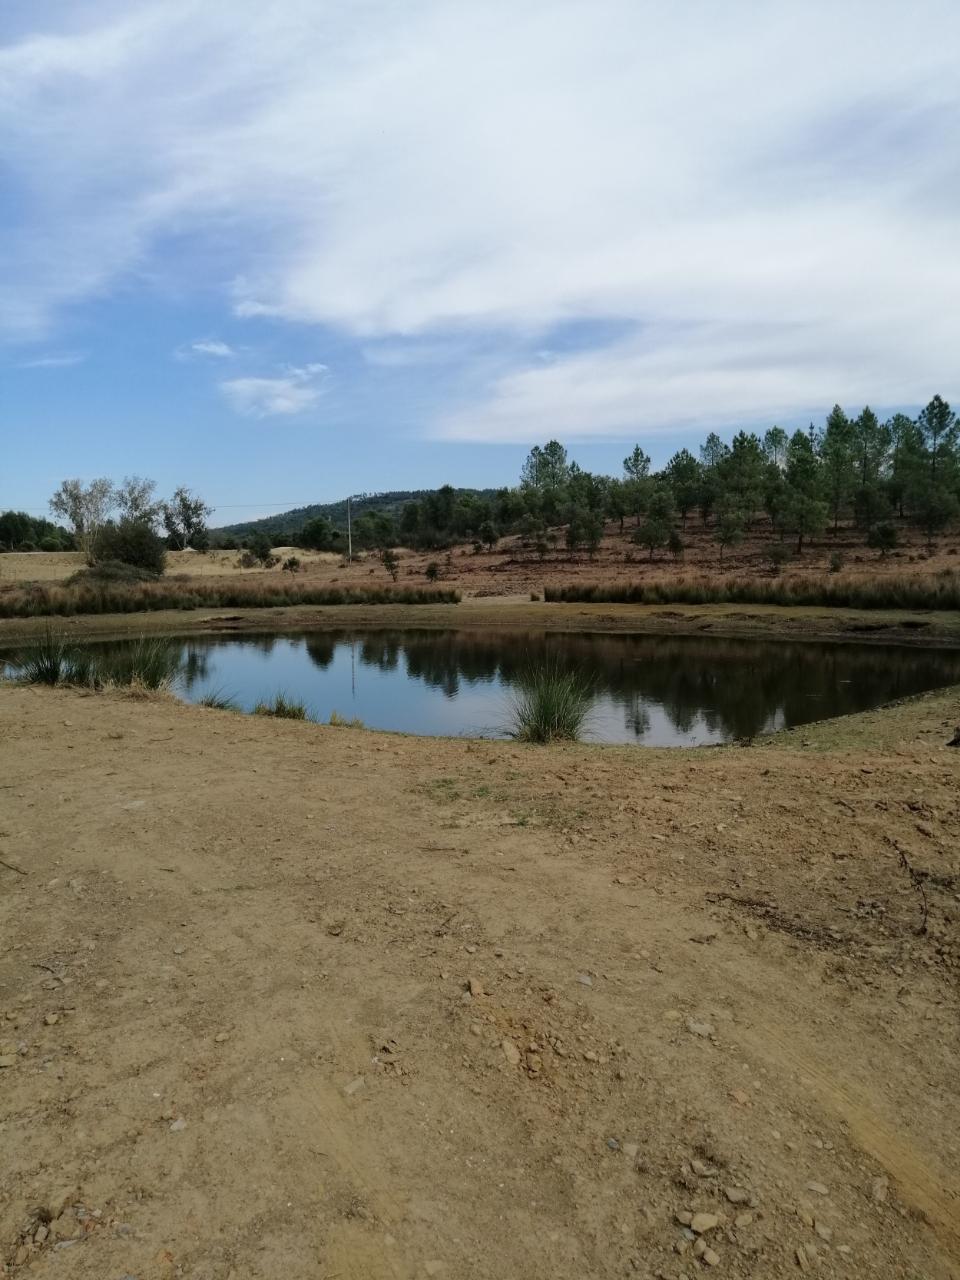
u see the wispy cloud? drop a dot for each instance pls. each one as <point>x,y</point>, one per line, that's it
<point>776,227</point>
<point>207,347</point>
<point>54,361</point>
<point>294,391</point>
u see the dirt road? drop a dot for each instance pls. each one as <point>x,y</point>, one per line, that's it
<point>282,1000</point>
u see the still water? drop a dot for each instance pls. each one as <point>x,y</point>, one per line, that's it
<point>650,690</point>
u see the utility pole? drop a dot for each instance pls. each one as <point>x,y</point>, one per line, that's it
<point>349,535</point>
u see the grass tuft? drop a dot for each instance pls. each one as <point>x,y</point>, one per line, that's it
<point>217,700</point>
<point>337,721</point>
<point>283,708</point>
<point>150,662</point>
<point>550,704</point>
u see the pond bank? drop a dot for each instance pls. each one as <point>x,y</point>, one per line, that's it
<point>503,612</point>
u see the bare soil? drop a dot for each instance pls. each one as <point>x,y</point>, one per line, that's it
<point>284,1000</point>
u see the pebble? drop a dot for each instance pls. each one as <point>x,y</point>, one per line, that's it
<point>433,1268</point>
<point>684,1217</point>
<point>51,1019</point>
<point>823,1231</point>
<point>740,1097</point>
<point>510,1052</point>
<point>819,1188</point>
<point>178,1125</point>
<point>803,1262</point>
<point>584,979</point>
<point>613,1144</point>
<point>534,1063</point>
<point>221,1037</point>
<point>737,1195</point>
<point>711,1257</point>
<point>702,1170</point>
<point>879,1187</point>
<point>699,1028</point>
<point>476,1029</point>
<point>476,987</point>
<point>8,1060</point>
<point>704,1222</point>
<point>178,951</point>
<point>351,1088</point>
<point>743,1219</point>
<point>470,949</point>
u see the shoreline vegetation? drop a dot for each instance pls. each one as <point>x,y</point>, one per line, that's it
<point>38,600</point>
<point>941,593</point>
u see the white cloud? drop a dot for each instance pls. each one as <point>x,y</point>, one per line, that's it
<point>294,391</point>
<point>212,347</point>
<point>766,194</point>
<point>54,361</point>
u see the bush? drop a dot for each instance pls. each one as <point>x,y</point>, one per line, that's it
<point>131,542</point>
<point>337,721</point>
<point>217,700</point>
<point>50,544</point>
<point>550,704</point>
<point>836,562</point>
<point>837,593</point>
<point>432,571</point>
<point>778,554</point>
<point>883,538</point>
<point>292,564</point>
<point>110,571</point>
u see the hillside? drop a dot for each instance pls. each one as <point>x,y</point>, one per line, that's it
<point>288,522</point>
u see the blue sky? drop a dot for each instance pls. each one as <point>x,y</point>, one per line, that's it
<point>282,253</point>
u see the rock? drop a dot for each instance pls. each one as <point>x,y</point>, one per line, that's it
<point>803,1262</point>
<point>743,1219</point>
<point>510,1052</point>
<point>470,949</point>
<point>433,1268</point>
<point>702,1222</point>
<point>684,1217</point>
<point>475,987</point>
<point>65,1227</point>
<point>534,1063</point>
<point>737,1195</point>
<point>584,979</point>
<point>178,1125</point>
<point>221,1037</point>
<point>631,1150</point>
<point>699,1248</point>
<point>613,1144</point>
<point>476,1029</point>
<point>740,1097</point>
<point>699,1028</point>
<point>879,1188</point>
<point>590,1056</point>
<point>819,1188</point>
<point>8,1059</point>
<point>702,1170</point>
<point>824,1231</point>
<point>178,951</point>
<point>355,1084</point>
<point>711,1257</point>
<point>51,1019</point>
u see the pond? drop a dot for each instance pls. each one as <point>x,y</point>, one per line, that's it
<point>649,690</point>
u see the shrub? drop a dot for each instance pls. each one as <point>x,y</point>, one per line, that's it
<point>391,563</point>
<point>292,564</point>
<point>110,571</point>
<point>778,554</point>
<point>45,661</point>
<point>883,538</point>
<point>131,542</point>
<point>50,544</point>
<point>550,704</point>
<point>217,700</point>
<point>836,562</point>
<point>283,708</point>
<point>150,661</point>
<point>337,721</point>
<point>432,571</point>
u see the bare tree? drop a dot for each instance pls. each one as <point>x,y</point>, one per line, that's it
<point>86,509</point>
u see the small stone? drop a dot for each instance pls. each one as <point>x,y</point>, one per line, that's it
<point>470,949</point>
<point>737,1195</point>
<point>178,951</point>
<point>351,1088</point>
<point>702,1170</point>
<point>475,987</point>
<point>41,1233</point>
<point>702,1222</point>
<point>631,1150</point>
<point>819,1188</point>
<point>879,1188</point>
<point>613,1144</point>
<point>824,1231</point>
<point>743,1219</point>
<point>534,1063</point>
<point>178,1125</point>
<point>699,1028</point>
<point>476,1029</point>
<point>672,1015</point>
<point>221,1037</point>
<point>510,1052</point>
<point>584,979</point>
<point>64,1227</point>
<point>590,1056</point>
<point>8,1060</point>
<point>60,1200</point>
<point>699,1248</point>
<point>51,1019</point>
<point>433,1268</point>
<point>740,1097</point>
<point>711,1257</point>
<point>684,1217</point>
<point>803,1262</point>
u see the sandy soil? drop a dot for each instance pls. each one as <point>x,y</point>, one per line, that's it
<point>281,1000</point>
<point>54,566</point>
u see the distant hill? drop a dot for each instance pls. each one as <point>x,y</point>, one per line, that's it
<point>289,522</point>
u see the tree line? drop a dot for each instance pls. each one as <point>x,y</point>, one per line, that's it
<point>855,469</point>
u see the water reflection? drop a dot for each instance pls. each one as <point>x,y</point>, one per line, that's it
<point>650,689</point>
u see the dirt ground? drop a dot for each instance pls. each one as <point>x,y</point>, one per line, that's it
<point>284,1000</point>
<point>513,568</point>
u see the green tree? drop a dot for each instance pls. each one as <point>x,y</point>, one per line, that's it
<point>839,469</point>
<point>546,468</point>
<point>741,473</point>
<point>938,428</point>
<point>729,529</point>
<point>131,541</point>
<point>87,509</point>
<point>636,471</point>
<point>185,519</point>
<point>883,538</point>
<point>683,476</point>
<point>936,507</point>
<point>871,447</point>
<point>805,511</point>
<point>775,443</point>
<point>135,500</point>
<point>489,534</point>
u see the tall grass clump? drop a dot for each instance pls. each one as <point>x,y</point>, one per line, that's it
<point>940,593</point>
<point>150,662</point>
<point>96,594</point>
<point>54,659</point>
<point>217,700</point>
<point>550,704</point>
<point>283,708</point>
